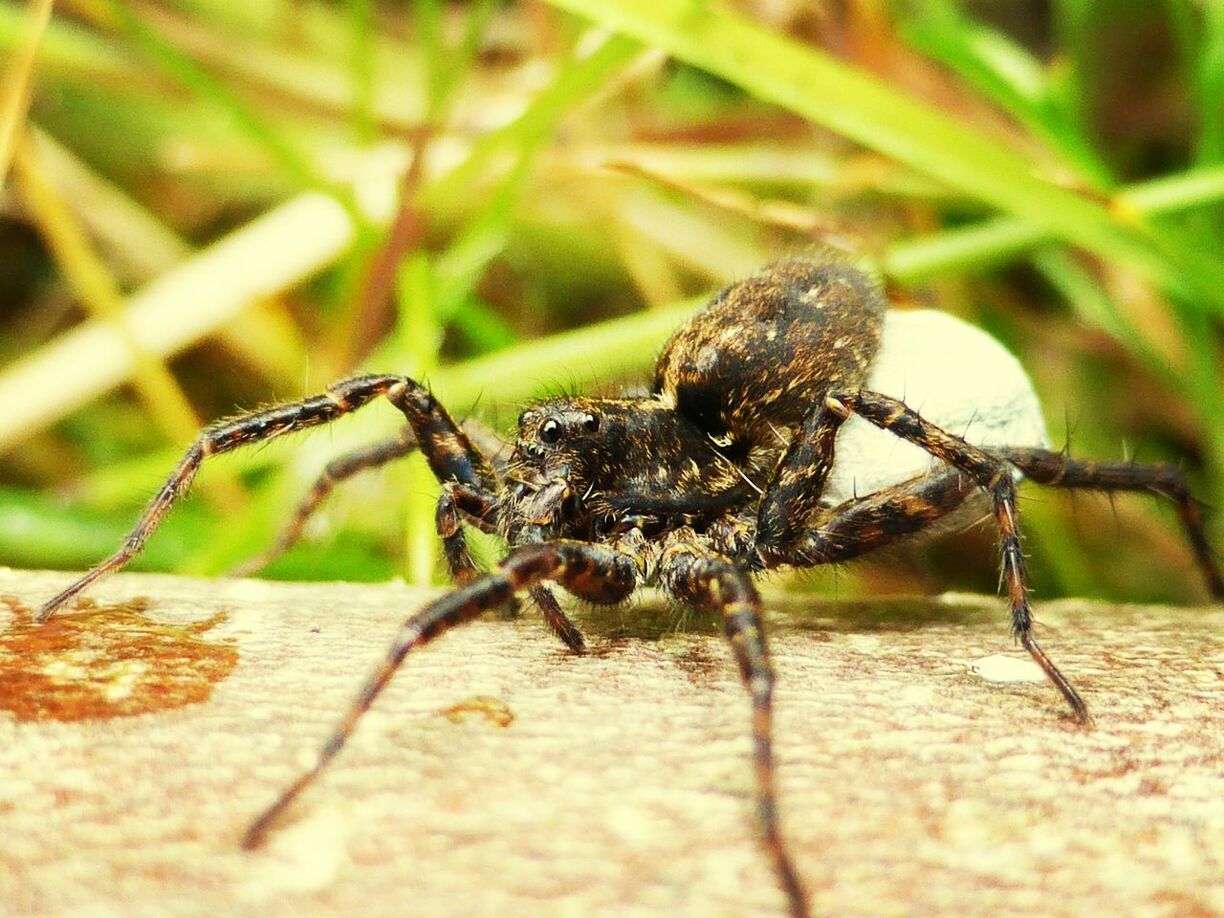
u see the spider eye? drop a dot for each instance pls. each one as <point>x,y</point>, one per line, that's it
<point>590,423</point>
<point>550,431</point>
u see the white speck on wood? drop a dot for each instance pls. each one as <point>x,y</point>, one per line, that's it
<point>998,667</point>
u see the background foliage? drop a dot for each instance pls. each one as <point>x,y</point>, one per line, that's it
<point>211,205</point>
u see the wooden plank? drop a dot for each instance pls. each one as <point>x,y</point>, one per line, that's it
<point>620,783</point>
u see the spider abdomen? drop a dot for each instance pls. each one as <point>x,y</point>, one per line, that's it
<point>770,346</point>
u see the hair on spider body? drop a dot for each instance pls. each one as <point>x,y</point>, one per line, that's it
<point>794,422</point>
<point>770,347</point>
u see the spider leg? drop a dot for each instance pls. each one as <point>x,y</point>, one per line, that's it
<point>864,524</point>
<point>338,470</point>
<point>459,504</point>
<point>593,572</point>
<point>475,507</point>
<point>465,502</point>
<point>556,619</point>
<point>996,477</point>
<point>1061,471</point>
<point>794,493</point>
<point>711,582</point>
<point>446,447</point>
<point>456,505</point>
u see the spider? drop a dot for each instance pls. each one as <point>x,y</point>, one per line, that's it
<point>794,422</point>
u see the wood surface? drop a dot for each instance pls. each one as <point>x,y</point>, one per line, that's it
<point>920,772</point>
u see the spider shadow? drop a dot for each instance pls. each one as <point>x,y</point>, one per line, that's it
<point>653,617</point>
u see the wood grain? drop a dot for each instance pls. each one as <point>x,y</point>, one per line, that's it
<point>501,775</point>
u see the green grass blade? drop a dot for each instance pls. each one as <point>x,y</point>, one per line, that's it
<point>361,70</point>
<point>990,242</point>
<point>1006,72</point>
<point>1210,85</point>
<point>171,60</point>
<point>864,109</point>
<point>577,81</point>
<point>420,336</point>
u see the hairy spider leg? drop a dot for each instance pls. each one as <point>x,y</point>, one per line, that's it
<point>446,447</point>
<point>593,572</point>
<point>1058,470</point>
<point>794,528</point>
<point>805,466</point>
<point>478,506</point>
<point>374,456</point>
<point>992,474</point>
<point>558,622</point>
<point>711,582</point>
<point>864,524</point>
<point>858,526</point>
<point>793,492</point>
<point>338,470</point>
<point>457,504</point>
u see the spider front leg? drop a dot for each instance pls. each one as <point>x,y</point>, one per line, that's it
<point>335,472</point>
<point>375,456</point>
<point>595,573</point>
<point>793,497</point>
<point>450,454</point>
<point>459,504</point>
<point>711,582</point>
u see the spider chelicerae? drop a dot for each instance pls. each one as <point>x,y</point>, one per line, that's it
<point>794,422</point>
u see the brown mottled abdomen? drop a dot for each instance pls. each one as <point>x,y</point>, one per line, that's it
<point>768,348</point>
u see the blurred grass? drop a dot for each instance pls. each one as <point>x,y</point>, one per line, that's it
<point>513,175</point>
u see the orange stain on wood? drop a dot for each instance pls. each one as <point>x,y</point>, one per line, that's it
<point>494,710</point>
<point>106,661</point>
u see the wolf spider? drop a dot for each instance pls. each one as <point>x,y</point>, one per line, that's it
<point>777,433</point>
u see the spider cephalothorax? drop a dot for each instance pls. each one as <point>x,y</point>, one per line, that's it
<point>794,422</point>
<point>586,467</point>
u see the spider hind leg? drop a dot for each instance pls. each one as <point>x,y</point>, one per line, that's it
<point>1059,470</point>
<point>864,524</point>
<point>996,477</point>
<point>792,501</point>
